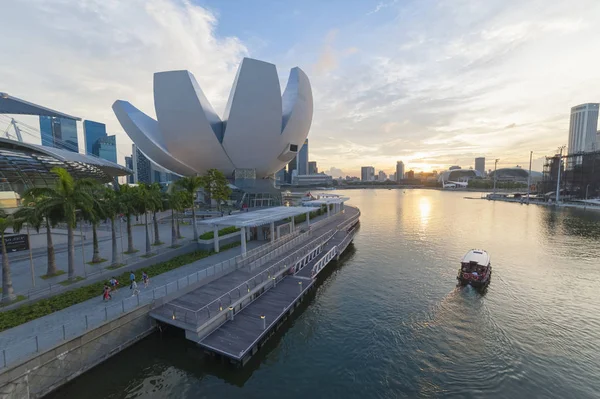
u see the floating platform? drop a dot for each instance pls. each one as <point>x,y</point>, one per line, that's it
<point>240,338</point>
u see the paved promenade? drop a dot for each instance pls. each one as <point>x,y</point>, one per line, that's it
<point>21,271</point>
<point>21,338</point>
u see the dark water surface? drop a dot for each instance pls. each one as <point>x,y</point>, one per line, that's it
<point>388,320</point>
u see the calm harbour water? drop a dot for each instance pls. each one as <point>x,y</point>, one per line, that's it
<point>388,320</point>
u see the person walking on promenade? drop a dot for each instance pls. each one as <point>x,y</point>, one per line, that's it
<point>131,280</point>
<point>106,293</point>
<point>145,279</point>
<point>113,282</point>
<point>135,288</point>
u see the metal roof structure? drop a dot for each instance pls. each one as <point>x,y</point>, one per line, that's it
<point>257,218</point>
<point>24,165</point>
<point>325,201</point>
<point>14,105</point>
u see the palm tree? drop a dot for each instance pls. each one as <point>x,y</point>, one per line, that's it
<point>68,197</point>
<point>126,197</point>
<point>8,293</point>
<point>94,215</point>
<point>112,207</point>
<point>30,213</point>
<point>156,195</point>
<point>191,184</point>
<point>145,203</point>
<point>175,202</point>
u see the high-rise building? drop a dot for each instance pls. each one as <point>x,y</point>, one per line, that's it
<point>583,128</point>
<point>367,173</point>
<point>410,174</point>
<point>381,176</point>
<point>142,167</point>
<point>59,133</point>
<point>302,157</point>
<point>129,164</point>
<point>399,171</point>
<point>92,132</point>
<point>480,165</point>
<point>597,141</point>
<point>291,167</point>
<point>106,148</point>
<point>312,168</point>
<point>280,176</point>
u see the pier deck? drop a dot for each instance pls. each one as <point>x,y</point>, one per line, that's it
<point>238,338</point>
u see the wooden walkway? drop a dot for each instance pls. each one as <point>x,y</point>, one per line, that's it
<point>238,338</point>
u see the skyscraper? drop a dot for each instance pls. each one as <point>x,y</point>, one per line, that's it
<point>129,164</point>
<point>59,133</point>
<point>381,176</point>
<point>142,167</point>
<point>480,165</point>
<point>399,171</point>
<point>92,131</point>
<point>302,157</point>
<point>312,168</point>
<point>291,167</point>
<point>583,128</point>
<point>106,148</point>
<point>367,173</point>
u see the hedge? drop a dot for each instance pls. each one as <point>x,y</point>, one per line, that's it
<point>223,232</point>
<point>25,313</point>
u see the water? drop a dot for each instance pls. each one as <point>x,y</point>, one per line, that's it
<point>390,322</point>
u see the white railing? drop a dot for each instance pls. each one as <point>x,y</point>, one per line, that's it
<point>206,312</point>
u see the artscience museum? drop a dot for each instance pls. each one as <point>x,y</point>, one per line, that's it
<point>260,131</point>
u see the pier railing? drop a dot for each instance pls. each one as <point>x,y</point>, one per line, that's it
<point>272,273</point>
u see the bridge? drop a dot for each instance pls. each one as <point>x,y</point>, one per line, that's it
<point>232,314</point>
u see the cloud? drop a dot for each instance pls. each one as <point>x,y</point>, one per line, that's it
<point>327,60</point>
<point>458,80</point>
<point>336,172</point>
<point>79,57</point>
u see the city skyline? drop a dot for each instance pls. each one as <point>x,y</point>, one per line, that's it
<point>442,93</point>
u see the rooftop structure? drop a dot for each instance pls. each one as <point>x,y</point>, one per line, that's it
<point>14,105</point>
<point>260,129</point>
<point>24,165</point>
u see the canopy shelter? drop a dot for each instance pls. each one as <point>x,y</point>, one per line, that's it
<point>13,105</point>
<point>24,165</point>
<point>245,220</point>
<point>329,200</point>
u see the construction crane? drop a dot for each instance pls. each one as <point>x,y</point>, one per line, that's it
<point>17,130</point>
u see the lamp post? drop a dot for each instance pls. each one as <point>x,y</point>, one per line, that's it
<point>561,148</point>
<point>529,177</point>
<point>495,168</point>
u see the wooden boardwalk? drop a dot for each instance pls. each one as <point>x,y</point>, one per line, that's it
<point>238,338</point>
<point>224,316</point>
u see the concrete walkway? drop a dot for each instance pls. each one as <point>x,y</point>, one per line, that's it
<point>21,270</point>
<point>21,339</point>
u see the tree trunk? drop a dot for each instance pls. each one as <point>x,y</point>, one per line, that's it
<point>178,229</point>
<point>148,249</point>
<point>130,247</point>
<point>71,251</point>
<point>8,293</point>
<point>173,231</point>
<point>113,231</point>
<point>96,256</point>
<point>156,236</point>
<point>51,271</point>
<point>194,223</point>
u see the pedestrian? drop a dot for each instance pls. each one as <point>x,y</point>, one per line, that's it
<point>145,279</point>
<point>106,293</point>
<point>135,289</point>
<point>113,282</point>
<point>131,280</point>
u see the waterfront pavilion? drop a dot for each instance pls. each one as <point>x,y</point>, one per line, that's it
<point>329,200</point>
<point>263,217</point>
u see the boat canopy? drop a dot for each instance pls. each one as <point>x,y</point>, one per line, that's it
<point>478,256</point>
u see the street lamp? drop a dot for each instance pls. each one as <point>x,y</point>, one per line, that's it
<point>561,148</point>
<point>495,175</point>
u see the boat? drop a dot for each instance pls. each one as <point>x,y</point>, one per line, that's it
<point>475,269</point>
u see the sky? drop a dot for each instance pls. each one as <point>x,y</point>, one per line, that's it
<point>433,83</point>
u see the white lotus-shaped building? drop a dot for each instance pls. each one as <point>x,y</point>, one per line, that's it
<point>260,130</point>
